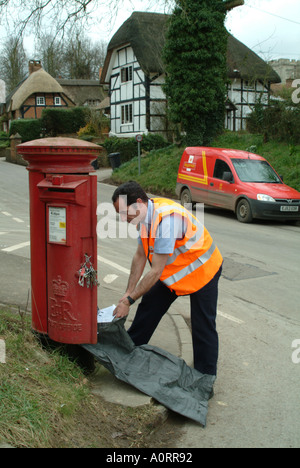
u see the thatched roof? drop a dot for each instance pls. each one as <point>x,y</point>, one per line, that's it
<point>105,104</point>
<point>243,63</point>
<point>82,90</point>
<point>145,32</point>
<point>37,82</point>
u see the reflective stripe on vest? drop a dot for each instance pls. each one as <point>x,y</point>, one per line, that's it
<point>195,260</point>
<point>190,268</point>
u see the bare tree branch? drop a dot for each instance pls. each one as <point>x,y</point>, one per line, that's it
<point>63,14</point>
<point>35,15</point>
<point>60,16</point>
<point>13,61</point>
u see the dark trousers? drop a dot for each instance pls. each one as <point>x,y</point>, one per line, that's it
<point>156,302</point>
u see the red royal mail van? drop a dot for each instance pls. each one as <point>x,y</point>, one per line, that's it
<point>235,180</point>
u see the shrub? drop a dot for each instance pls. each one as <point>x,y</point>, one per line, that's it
<point>60,121</point>
<point>152,141</point>
<point>128,147</point>
<point>279,122</point>
<point>3,136</point>
<point>4,140</point>
<point>29,129</point>
<point>95,126</point>
<point>89,129</point>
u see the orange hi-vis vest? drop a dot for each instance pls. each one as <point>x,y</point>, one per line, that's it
<point>195,260</point>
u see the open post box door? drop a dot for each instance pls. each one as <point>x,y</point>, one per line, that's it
<point>63,205</point>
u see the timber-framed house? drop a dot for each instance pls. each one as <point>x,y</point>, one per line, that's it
<point>36,92</point>
<point>134,71</point>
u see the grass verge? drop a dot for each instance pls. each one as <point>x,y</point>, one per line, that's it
<point>37,391</point>
<point>159,168</point>
<point>46,400</point>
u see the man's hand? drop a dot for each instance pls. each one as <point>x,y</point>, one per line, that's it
<point>124,298</point>
<point>122,309</point>
<point>158,264</point>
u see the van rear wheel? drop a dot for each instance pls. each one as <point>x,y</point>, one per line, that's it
<point>185,197</point>
<point>244,212</point>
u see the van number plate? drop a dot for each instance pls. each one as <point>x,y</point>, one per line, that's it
<point>289,208</point>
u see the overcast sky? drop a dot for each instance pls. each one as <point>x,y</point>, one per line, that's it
<point>271,28</point>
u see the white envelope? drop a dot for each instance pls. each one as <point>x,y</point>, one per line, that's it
<point>106,315</point>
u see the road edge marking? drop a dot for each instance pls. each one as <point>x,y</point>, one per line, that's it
<point>230,317</point>
<point>16,247</point>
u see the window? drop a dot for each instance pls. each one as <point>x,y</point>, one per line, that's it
<point>126,74</point>
<point>57,101</point>
<point>250,85</point>
<point>221,168</point>
<point>40,101</point>
<point>253,170</point>
<point>126,114</point>
<point>92,102</point>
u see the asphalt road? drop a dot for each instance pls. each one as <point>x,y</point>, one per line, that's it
<point>256,401</point>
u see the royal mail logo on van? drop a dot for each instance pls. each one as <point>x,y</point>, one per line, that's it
<point>189,165</point>
<point>202,175</point>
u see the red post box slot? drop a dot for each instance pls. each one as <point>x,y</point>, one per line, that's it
<point>72,191</point>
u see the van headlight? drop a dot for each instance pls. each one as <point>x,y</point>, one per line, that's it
<point>263,197</point>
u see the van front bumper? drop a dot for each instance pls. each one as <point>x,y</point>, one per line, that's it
<point>276,210</point>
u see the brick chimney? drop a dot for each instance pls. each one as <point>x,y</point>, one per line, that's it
<point>34,65</point>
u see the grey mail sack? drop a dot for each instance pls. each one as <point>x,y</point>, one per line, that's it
<point>153,371</point>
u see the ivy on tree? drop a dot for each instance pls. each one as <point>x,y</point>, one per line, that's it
<point>195,59</point>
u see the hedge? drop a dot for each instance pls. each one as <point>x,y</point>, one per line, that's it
<point>60,121</point>
<point>52,123</point>
<point>29,129</point>
<point>128,147</point>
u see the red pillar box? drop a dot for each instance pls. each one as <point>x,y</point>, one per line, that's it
<point>63,205</point>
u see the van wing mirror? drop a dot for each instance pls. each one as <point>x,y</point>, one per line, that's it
<point>228,177</point>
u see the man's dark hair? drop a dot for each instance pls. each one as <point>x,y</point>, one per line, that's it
<point>132,190</point>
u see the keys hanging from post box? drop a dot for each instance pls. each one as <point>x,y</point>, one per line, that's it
<point>87,274</point>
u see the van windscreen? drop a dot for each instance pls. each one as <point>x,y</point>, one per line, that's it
<point>256,171</point>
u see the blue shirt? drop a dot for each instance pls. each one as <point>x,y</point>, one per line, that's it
<point>170,229</point>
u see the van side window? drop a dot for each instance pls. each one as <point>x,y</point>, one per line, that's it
<point>220,168</point>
